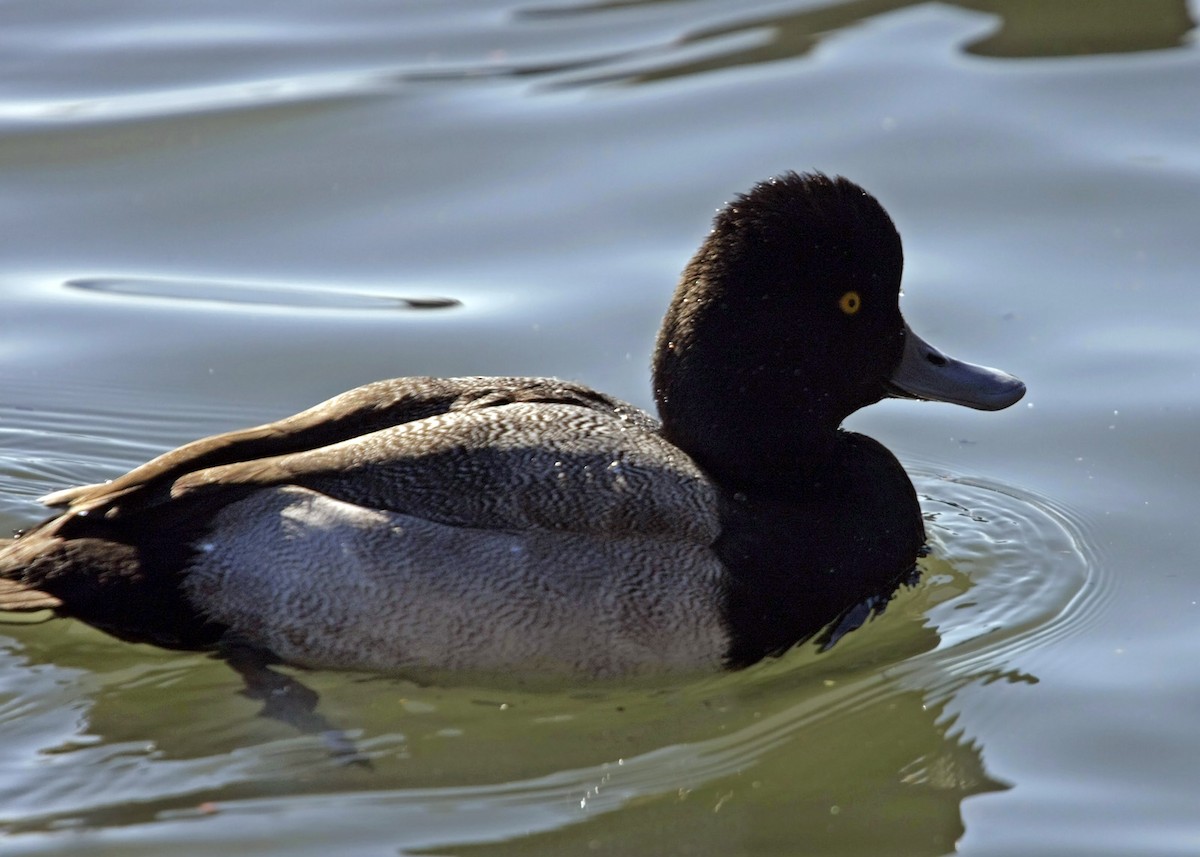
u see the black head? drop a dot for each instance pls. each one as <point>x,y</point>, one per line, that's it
<point>785,321</point>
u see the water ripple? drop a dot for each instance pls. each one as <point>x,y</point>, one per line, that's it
<point>254,294</point>
<point>158,103</point>
<point>1020,565</point>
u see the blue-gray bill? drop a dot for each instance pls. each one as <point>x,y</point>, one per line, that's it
<point>926,373</point>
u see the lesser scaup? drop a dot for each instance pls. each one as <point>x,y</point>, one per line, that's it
<point>532,524</point>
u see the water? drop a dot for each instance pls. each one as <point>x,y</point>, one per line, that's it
<point>214,215</point>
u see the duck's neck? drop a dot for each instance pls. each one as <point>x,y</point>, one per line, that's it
<point>784,468</point>
<point>749,436</point>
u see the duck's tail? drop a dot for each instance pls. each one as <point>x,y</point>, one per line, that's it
<point>91,569</point>
<point>15,594</point>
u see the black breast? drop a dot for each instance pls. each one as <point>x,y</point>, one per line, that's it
<point>797,563</point>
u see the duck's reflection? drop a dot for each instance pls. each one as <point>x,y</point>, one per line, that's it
<point>1025,29</point>
<point>858,749</point>
<point>885,777</point>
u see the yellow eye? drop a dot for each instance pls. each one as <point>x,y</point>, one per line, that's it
<point>850,303</point>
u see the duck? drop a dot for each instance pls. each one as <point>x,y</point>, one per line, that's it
<point>513,525</point>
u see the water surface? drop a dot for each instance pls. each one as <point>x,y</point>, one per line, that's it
<point>215,214</point>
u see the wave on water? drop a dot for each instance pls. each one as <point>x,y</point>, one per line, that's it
<point>255,294</point>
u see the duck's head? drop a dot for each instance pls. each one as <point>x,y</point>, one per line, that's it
<point>786,321</point>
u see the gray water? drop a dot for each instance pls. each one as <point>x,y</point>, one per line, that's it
<point>212,214</point>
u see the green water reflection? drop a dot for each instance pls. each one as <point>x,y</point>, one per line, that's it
<point>1025,29</point>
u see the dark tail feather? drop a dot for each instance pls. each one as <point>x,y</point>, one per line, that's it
<point>89,569</point>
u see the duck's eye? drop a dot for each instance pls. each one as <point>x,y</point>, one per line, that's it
<point>850,303</point>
